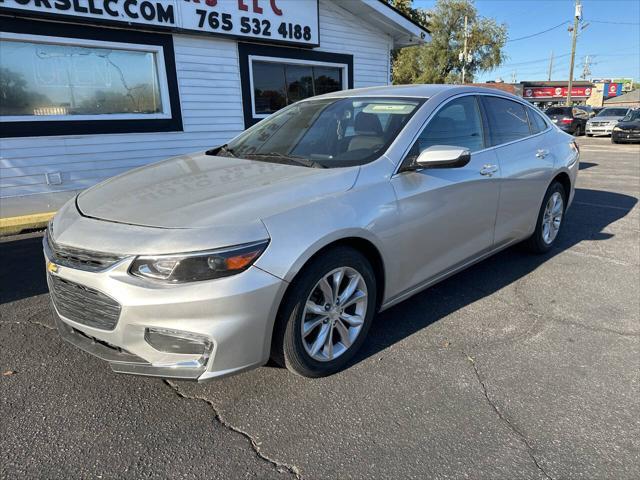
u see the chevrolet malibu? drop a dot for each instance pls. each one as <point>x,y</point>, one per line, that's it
<point>285,242</point>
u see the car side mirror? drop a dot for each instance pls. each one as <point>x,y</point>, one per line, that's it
<point>443,156</point>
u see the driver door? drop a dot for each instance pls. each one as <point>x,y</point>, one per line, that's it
<point>446,215</point>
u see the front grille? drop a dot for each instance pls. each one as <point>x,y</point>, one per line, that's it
<point>78,259</point>
<point>599,124</point>
<point>83,304</point>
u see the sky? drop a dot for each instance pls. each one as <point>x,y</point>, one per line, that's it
<point>611,39</point>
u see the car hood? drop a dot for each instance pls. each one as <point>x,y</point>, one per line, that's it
<point>199,190</point>
<point>630,125</point>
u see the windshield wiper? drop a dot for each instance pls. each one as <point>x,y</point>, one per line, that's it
<point>221,151</point>
<point>288,158</point>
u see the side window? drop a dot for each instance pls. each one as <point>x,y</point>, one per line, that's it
<point>457,124</point>
<point>537,122</point>
<point>507,120</point>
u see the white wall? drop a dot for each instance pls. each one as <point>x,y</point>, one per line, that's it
<point>209,85</point>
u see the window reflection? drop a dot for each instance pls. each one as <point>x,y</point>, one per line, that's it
<point>276,85</point>
<point>47,79</point>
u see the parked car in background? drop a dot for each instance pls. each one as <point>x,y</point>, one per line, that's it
<point>569,119</point>
<point>628,129</point>
<point>603,122</point>
<point>286,241</point>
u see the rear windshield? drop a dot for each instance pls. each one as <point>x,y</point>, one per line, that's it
<point>558,111</point>
<point>613,112</point>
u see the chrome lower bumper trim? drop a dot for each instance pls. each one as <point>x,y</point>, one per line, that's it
<point>120,360</point>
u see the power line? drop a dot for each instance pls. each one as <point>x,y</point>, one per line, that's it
<point>539,33</point>
<point>545,60</point>
<point>529,62</point>
<point>615,23</point>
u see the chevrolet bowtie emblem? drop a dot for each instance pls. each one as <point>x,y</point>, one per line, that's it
<point>52,267</point>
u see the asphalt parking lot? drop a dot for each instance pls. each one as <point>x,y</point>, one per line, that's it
<point>521,367</point>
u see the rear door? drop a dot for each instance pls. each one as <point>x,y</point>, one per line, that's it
<point>526,162</point>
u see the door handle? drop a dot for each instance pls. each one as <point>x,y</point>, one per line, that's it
<point>541,153</point>
<point>488,169</point>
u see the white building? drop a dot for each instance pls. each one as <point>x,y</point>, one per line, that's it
<point>91,88</point>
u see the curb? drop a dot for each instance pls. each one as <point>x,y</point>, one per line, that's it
<point>15,225</point>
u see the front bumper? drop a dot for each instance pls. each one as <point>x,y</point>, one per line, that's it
<point>626,136</point>
<point>235,314</point>
<point>598,130</point>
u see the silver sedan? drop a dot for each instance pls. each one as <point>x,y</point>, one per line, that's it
<point>286,241</point>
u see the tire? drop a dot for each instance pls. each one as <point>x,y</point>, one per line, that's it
<point>613,140</point>
<point>291,349</point>
<point>541,241</point>
<point>589,134</point>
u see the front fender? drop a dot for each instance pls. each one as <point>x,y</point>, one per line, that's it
<point>298,234</point>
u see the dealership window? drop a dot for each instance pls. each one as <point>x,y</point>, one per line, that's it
<point>272,77</point>
<point>51,78</point>
<point>277,83</point>
<point>68,79</point>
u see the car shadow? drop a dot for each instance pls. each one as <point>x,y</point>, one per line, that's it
<point>587,165</point>
<point>591,212</point>
<point>22,272</point>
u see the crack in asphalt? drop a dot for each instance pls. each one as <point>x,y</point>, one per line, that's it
<point>495,408</point>
<point>279,466</point>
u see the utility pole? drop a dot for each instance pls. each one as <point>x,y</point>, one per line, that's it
<point>550,66</point>
<point>514,76</point>
<point>576,18</point>
<point>464,57</point>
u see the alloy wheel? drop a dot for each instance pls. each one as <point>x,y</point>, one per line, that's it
<point>334,314</point>
<point>552,218</point>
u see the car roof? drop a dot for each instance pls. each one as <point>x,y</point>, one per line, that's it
<point>417,91</point>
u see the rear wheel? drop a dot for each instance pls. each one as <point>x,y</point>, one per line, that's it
<point>326,314</point>
<point>589,134</point>
<point>549,220</point>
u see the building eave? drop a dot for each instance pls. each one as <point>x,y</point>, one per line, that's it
<point>404,31</point>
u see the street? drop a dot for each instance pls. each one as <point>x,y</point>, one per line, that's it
<point>521,367</point>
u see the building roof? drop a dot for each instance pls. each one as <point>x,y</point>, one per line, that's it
<point>512,88</point>
<point>630,97</point>
<point>404,31</point>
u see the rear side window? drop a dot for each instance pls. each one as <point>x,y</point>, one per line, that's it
<point>507,120</point>
<point>537,122</point>
<point>457,124</point>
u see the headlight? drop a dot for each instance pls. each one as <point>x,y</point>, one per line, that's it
<point>617,129</point>
<point>194,267</point>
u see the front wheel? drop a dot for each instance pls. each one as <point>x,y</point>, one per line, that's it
<point>326,314</point>
<point>549,220</point>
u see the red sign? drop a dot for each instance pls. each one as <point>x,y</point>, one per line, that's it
<point>556,92</point>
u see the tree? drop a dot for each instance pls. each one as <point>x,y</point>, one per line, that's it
<point>438,61</point>
<point>406,8</point>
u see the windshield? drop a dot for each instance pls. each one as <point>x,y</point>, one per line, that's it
<point>632,115</point>
<point>326,132</point>
<point>613,112</point>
